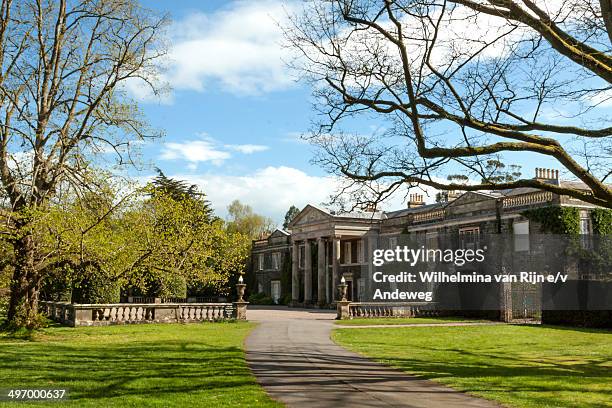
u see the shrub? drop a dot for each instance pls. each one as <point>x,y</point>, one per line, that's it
<point>260,299</point>
<point>97,287</point>
<point>57,286</point>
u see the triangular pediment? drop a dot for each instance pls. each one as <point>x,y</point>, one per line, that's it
<point>310,214</point>
<point>278,233</point>
<point>468,198</point>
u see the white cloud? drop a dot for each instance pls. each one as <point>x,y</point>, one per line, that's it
<point>205,149</point>
<point>272,190</point>
<point>194,151</point>
<point>238,47</point>
<point>603,99</point>
<point>142,91</point>
<point>247,148</point>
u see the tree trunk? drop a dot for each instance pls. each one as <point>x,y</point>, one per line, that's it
<point>606,13</point>
<point>23,305</point>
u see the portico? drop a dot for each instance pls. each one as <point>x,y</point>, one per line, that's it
<point>326,247</point>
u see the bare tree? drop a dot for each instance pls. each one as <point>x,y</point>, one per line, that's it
<point>459,86</point>
<point>65,67</point>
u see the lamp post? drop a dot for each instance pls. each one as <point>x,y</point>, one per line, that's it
<point>240,306</point>
<point>343,304</point>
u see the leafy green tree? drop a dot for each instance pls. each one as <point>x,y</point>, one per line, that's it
<point>496,171</point>
<point>242,219</point>
<point>63,75</point>
<point>292,212</point>
<point>138,238</point>
<point>181,239</point>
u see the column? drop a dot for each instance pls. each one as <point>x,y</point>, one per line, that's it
<point>321,267</point>
<point>307,273</point>
<point>335,266</point>
<point>328,293</point>
<point>295,280</point>
<point>372,244</point>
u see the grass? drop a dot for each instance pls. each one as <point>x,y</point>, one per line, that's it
<point>157,365</point>
<point>519,366</point>
<point>402,320</point>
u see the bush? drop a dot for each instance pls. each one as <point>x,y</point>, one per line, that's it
<point>97,288</point>
<point>578,318</point>
<point>57,286</point>
<point>4,300</point>
<point>260,299</point>
<point>5,283</point>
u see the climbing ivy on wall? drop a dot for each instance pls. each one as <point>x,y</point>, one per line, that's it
<point>602,221</point>
<point>556,220</point>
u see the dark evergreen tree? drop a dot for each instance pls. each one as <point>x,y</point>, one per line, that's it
<point>290,215</point>
<point>180,190</point>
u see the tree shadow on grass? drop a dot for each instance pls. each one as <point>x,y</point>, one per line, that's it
<point>151,370</point>
<point>546,382</point>
<point>570,328</point>
<point>516,366</point>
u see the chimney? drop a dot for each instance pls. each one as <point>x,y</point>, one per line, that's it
<point>446,196</point>
<point>415,200</point>
<point>452,195</point>
<point>369,207</point>
<point>546,174</point>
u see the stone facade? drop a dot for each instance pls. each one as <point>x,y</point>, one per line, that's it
<point>323,247</point>
<point>268,257</point>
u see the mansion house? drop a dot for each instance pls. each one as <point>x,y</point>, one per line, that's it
<point>304,264</point>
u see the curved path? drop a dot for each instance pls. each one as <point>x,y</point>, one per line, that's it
<point>294,359</point>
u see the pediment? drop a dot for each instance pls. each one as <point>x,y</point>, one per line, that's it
<point>278,234</point>
<point>309,215</point>
<point>468,198</point>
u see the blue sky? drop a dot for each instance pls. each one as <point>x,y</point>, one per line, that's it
<point>233,118</point>
<point>234,115</point>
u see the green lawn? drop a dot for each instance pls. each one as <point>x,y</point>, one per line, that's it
<point>165,365</point>
<point>402,320</point>
<point>519,366</point>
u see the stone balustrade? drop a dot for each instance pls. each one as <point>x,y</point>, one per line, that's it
<point>428,216</point>
<point>151,299</point>
<point>61,312</point>
<point>522,200</point>
<point>383,309</point>
<point>132,313</point>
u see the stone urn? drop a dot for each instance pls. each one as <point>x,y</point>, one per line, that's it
<point>240,287</point>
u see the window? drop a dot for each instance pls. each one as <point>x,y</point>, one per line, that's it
<point>585,225</point>
<point>360,252</point>
<point>301,255</point>
<point>260,262</point>
<point>347,252</point>
<point>431,240</point>
<point>469,237</point>
<point>361,290</point>
<point>392,242</point>
<point>276,258</point>
<point>521,236</point>
<point>586,229</point>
